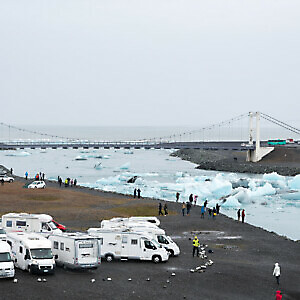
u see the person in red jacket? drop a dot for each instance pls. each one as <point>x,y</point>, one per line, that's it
<point>243,216</point>
<point>278,295</point>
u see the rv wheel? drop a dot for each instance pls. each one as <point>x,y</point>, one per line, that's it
<point>109,258</point>
<point>156,259</point>
<point>171,252</point>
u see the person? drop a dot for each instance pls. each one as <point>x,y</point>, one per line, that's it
<point>243,216</point>
<point>66,182</point>
<point>2,181</point>
<point>205,203</point>
<point>183,208</point>
<point>37,176</point>
<point>276,272</point>
<point>278,295</point>
<point>202,211</point>
<point>239,214</point>
<point>188,208</point>
<point>139,193</point>
<point>26,175</point>
<point>191,198</point>
<point>60,181</point>
<point>166,209</point>
<point>11,171</point>
<point>177,196</point>
<point>218,208</point>
<point>214,212</point>
<point>196,245</point>
<point>195,200</point>
<point>134,193</point>
<point>43,175</point>
<point>75,182</point>
<point>160,209</point>
<point>209,212</point>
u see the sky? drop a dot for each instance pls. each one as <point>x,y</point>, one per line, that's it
<point>148,62</point>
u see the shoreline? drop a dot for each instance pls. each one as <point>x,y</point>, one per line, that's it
<point>243,254</point>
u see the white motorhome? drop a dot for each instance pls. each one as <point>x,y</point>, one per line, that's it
<point>76,250</point>
<point>126,245</point>
<point>29,223</point>
<point>31,252</point>
<point>157,233</point>
<point>7,269</point>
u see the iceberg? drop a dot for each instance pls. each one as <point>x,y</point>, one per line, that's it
<point>294,184</point>
<point>231,202</point>
<point>18,154</point>
<point>273,177</point>
<point>125,166</point>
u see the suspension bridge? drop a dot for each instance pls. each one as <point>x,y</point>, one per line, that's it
<point>195,139</point>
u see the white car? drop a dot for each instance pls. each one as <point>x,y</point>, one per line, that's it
<point>37,185</point>
<point>6,178</point>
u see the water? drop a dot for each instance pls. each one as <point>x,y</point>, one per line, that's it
<point>268,201</point>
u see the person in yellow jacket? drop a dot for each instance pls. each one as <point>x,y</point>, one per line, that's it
<point>196,246</point>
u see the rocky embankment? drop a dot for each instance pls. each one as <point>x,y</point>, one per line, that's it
<point>284,161</point>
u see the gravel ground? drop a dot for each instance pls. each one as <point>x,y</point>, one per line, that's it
<point>243,255</point>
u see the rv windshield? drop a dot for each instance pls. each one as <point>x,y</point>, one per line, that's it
<point>52,225</point>
<point>162,239</point>
<point>2,231</point>
<point>5,257</point>
<point>156,243</point>
<point>43,253</point>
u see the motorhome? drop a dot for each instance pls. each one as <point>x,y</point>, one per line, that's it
<point>31,252</point>
<point>126,245</point>
<point>76,250</point>
<point>7,269</point>
<point>29,223</point>
<point>158,234</point>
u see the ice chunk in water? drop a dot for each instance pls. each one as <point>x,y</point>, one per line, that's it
<point>125,166</point>
<point>273,177</point>
<point>231,202</point>
<point>267,189</point>
<point>18,154</point>
<point>294,184</point>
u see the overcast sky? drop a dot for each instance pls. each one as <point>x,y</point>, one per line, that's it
<point>148,62</point>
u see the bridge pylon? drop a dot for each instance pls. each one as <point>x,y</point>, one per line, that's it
<point>255,155</point>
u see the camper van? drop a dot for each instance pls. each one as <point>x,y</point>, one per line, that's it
<point>75,250</point>
<point>7,269</point>
<point>158,235</point>
<point>126,245</point>
<point>31,252</point>
<point>29,223</point>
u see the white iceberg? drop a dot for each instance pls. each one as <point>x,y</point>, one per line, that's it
<point>294,184</point>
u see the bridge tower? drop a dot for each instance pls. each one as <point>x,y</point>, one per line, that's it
<point>255,155</point>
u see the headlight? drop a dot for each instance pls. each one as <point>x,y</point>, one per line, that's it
<point>35,262</point>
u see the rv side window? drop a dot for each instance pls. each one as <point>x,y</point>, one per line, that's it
<point>162,240</point>
<point>55,245</point>
<point>133,242</point>
<point>20,223</point>
<point>21,250</point>
<point>67,249</point>
<point>62,246</point>
<point>8,223</point>
<point>124,239</point>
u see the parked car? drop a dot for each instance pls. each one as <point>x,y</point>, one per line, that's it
<point>37,185</point>
<point>6,178</point>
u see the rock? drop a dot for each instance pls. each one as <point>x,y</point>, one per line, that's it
<point>192,270</point>
<point>108,279</point>
<point>168,281</point>
<point>39,280</point>
<point>165,286</point>
<point>93,280</point>
<point>173,274</point>
<point>44,280</point>
<point>15,280</point>
<point>148,279</point>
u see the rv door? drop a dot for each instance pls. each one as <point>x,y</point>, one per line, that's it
<point>148,250</point>
<point>86,251</point>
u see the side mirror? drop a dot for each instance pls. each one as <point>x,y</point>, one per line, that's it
<point>56,256</point>
<point>16,260</point>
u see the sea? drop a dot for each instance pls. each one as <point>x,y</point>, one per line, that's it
<point>271,201</point>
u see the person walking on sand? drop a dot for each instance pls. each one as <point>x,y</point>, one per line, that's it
<point>183,208</point>
<point>202,211</point>
<point>134,193</point>
<point>75,182</point>
<point>26,175</point>
<point>177,196</point>
<point>205,203</point>
<point>278,295</point>
<point>188,208</point>
<point>195,200</point>
<point>276,272</point>
<point>239,214</point>
<point>214,211</point>
<point>60,181</point>
<point>160,213</point>
<point>196,246</point>
<point>191,198</point>
<point>218,208</point>
<point>139,193</point>
<point>11,171</point>
<point>243,216</point>
<point>166,209</point>
<point>209,212</point>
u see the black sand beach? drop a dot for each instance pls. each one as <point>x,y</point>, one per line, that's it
<point>243,255</point>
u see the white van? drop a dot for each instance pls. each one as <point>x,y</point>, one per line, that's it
<point>7,269</point>
<point>29,223</point>
<point>31,252</point>
<point>157,233</point>
<point>129,245</point>
<point>76,250</point>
